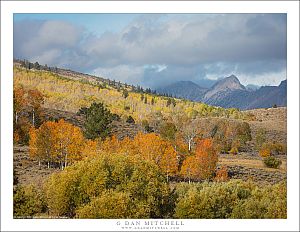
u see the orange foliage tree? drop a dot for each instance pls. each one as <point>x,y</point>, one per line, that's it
<point>41,143</point>
<point>152,147</point>
<point>56,142</point>
<point>26,102</point>
<point>203,164</point>
<point>19,101</point>
<point>90,148</point>
<point>149,147</point>
<point>68,142</point>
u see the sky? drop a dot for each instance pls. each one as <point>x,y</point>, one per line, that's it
<point>154,50</point>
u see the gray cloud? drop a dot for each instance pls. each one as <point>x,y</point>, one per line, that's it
<point>45,41</point>
<point>190,48</point>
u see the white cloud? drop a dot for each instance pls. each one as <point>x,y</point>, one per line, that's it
<point>269,78</point>
<point>124,73</point>
<point>47,57</point>
<point>156,67</point>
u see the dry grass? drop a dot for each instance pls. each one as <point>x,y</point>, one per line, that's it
<point>28,170</point>
<point>251,163</point>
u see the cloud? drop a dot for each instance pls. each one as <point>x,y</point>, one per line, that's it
<point>124,73</point>
<point>157,49</point>
<point>258,72</point>
<point>45,41</point>
<point>263,79</point>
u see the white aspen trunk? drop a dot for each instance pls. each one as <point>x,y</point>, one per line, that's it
<point>47,154</point>
<point>48,164</point>
<point>62,155</point>
<point>66,157</point>
<point>190,144</point>
<point>168,174</point>
<point>16,117</point>
<point>33,119</point>
<point>39,163</point>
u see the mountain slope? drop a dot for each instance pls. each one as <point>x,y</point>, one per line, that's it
<point>230,93</point>
<point>269,95</point>
<point>264,97</point>
<point>184,89</point>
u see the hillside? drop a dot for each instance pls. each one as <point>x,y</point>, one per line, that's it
<point>63,92</point>
<point>273,121</point>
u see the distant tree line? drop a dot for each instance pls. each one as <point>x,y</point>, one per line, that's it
<point>29,65</point>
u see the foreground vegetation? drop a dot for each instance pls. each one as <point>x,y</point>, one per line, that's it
<point>118,186</point>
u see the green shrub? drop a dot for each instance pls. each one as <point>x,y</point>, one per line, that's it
<point>267,202</point>
<point>272,162</point>
<point>233,199</point>
<point>91,185</point>
<point>110,204</point>
<point>28,201</point>
<point>211,200</point>
<point>273,149</point>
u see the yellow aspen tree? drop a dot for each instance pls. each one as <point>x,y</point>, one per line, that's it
<point>76,145</point>
<point>152,147</point>
<point>168,162</point>
<point>69,140</point>
<point>45,142</point>
<point>90,148</point>
<point>35,99</point>
<point>189,167</point>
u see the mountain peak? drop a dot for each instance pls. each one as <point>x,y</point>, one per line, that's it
<point>231,82</point>
<point>232,78</point>
<point>226,84</point>
<point>283,83</point>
